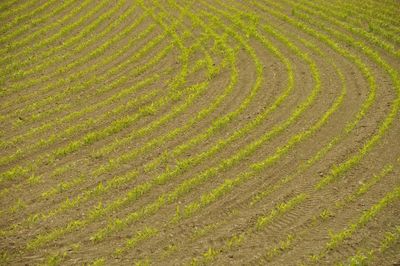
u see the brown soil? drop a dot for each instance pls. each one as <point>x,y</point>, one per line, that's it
<point>334,76</point>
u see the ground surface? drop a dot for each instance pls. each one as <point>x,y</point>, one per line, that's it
<point>200,132</point>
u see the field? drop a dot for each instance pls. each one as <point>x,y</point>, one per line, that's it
<point>210,132</point>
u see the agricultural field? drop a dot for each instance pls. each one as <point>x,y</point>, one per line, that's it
<point>207,132</point>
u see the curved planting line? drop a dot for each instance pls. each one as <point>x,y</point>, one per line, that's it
<point>66,150</point>
<point>336,171</point>
<point>74,77</point>
<point>280,37</point>
<point>70,48</point>
<point>366,72</point>
<point>336,239</point>
<point>366,216</point>
<point>22,28</point>
<point>5,91</point>
<point>390,16</point>
<point>15,71</point>
<point>139,70</point>
<point>151,127</point>
<point>200,116</point>
<point>114,183</point>
<point>88,139</point>
<point>358,18</point>
<point>330,213</point>
<point>114,71</point>
<point>81,126</point>
<point>120,79</point>
<point>73,84</point>
<point>389,241</point>
<point>170,197</point>
<point>114,163</point>
<point>350,125</point>
<point>116,204</point>
<point>40,240</point>
<point>7,4</point>
<point>10,61</point>
<point>13,10</point>
<point>223,21</point>
<point>163,120</point>
<point>383,127</point>
<point>317,11</point>
<point>206,199</point>
<point>26,15</point>
<point>373,16</point>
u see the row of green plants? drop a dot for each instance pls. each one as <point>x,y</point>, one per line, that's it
<point>22,28</point>
<point>166,176</point>
<point>205,110</point>
<point>386,15</point>
<point>384,125</point>
<point>130,194</point>
<point>228,184</point>
<point>176,110</point>
<point>375,26</point>
<point>329,213</point>
<point>274,33</point>
<point>10,9</point>
<point>94,85</point>
<point>281,208</point>
<point>337,239</point>
<point>139,214</point>
<point>211,252</point>
<point>204,113</point>
<point>17,19</point>
<point>188,101</point>
<point>373,255</point>
<point>350,125</point>
<point>76,44</point>
<point>62,186</point>
<point>150,208</point>
<point>80,45</point>
<point>57,54</point>
<point>236,240</point>
<point>122,78</point>
<point>73,116</point>
<point>75,126</point>
<point>326,14</point>
<point>340,169</point>
<point>23,171</point>
<point>116,83</point>
<point>131,104</point>
<point>11,58</point>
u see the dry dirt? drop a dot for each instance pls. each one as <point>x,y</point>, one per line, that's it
<point>119,159</point>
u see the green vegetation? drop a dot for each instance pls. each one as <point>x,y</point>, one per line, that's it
<point>199,132</point>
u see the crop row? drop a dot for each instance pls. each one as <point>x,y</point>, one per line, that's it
<point>130,193</point>
<point>155,125</point>
<point>44,127</point>
<point>10,59</point>
<point>9,9</point>
<point>245,29</point>
<point>22,28</point>
<point>76,39</point>
<point>136,215</point>
<point>50,57</point>
<point>8,174</point>
<point>209,250</point>
<point>16,20</point>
